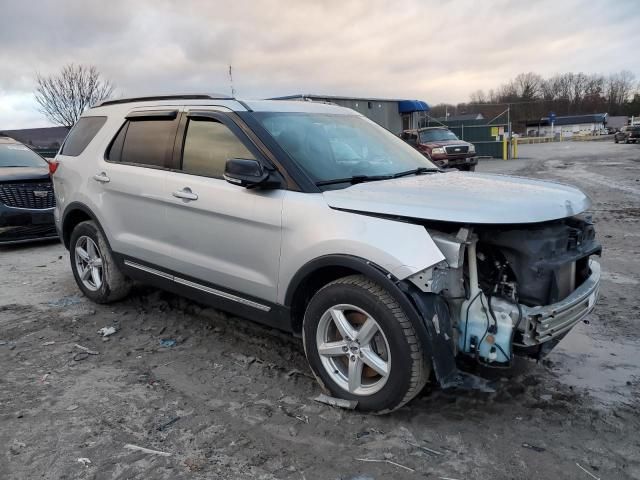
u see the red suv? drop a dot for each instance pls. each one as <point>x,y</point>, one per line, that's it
<point>442,147</point>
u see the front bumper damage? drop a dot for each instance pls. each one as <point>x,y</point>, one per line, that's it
<point>551,322</point>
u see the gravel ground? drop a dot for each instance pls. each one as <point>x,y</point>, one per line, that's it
<point>233,400</point>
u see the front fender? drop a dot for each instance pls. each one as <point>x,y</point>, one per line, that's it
<point>311,230</point>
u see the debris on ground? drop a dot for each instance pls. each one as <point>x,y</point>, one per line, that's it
<point>84,354</point>
<point>168,342</point>
<point>107,331</point>
<point>85,349</point>
<point>385,460</point>
<point>534,447</point>
<point>84,461</point>
<point>129,446</point>
<point>426,449</point>
<point>66,301</point>
<point>587,471</point>
<point>336,402</point>
<point>168,424</point>
<point>46,344</point>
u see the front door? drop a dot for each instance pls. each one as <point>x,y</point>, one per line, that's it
<point>222,235</point>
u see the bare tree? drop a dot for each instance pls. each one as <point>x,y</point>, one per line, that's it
<point>64,96</point>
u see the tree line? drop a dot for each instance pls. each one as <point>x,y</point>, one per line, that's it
<point>531,96</point>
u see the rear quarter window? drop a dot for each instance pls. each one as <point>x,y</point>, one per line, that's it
<point>144,141</point>
<point>81,135</point>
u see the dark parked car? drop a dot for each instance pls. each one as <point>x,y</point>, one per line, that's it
<point>442,147</point>
<point>26,195</point>
<point>629,134</point>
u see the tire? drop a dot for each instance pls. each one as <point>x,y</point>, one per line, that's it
<point>402,369</point>
<point>90,254</point>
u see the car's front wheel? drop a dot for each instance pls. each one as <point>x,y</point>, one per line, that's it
<point>361,346</point>
<point>93,266</point>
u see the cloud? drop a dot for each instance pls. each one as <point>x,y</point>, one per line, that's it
<point>435,51</point>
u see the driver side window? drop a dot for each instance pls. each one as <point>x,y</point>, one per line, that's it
<point>208,145</point>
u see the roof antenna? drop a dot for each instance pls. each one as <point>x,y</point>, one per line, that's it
<point>233,91</point>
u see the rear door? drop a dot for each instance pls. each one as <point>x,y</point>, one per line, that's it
<point>131,184</point>
<point>222,235</point>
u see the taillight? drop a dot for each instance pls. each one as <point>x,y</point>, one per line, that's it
<point>53,166</point>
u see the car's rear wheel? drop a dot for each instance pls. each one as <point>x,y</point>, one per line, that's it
<point>93,266</point>
<point>361,346</point>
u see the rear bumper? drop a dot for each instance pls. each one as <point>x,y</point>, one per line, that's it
<point>18,225</point>
<point>549,322</point>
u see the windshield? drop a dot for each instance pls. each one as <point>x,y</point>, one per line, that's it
<point>437,135</point>
<point>16,155</point>
<point>329,146</point>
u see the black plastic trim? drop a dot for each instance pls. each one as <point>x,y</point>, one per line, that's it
<point>277,316</point>
<point>187,96</point>
<point>151,114</point>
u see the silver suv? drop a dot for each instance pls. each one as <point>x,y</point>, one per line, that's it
<point>310,218</point>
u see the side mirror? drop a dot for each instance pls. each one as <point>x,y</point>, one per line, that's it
<point>245,173</point>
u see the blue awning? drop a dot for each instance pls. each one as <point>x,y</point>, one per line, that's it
<point>408,106</point>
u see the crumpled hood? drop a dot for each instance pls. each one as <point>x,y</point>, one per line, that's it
<point>463,197</point>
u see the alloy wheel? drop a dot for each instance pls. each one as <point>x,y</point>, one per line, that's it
<point>353,349</point>
<point>89,263</point>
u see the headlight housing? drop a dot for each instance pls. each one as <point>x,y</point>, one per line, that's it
<point>438,151</point>
<point>472,148</point>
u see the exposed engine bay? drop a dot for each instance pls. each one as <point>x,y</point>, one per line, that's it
<point>514,289</point>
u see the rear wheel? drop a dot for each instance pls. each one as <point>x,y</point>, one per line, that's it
<point>361,346</point>
<point>93,266</point>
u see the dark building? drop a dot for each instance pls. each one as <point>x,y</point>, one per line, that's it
<point>47,138</point>
<point>393,114</point>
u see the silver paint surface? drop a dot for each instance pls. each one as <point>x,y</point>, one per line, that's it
<point>463,197</point>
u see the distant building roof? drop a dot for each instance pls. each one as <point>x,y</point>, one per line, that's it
<point>570,120</point>
<point>47,137</point>
<point>461,118</point>
<point>404,105</point>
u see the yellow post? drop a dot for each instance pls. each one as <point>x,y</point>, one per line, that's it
<point>504,147</point>
<point>515,147</point>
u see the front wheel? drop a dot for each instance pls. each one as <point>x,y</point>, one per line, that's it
<point>93,266</point>
<point>361,346</point>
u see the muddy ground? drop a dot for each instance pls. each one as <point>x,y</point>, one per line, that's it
<point>233,400</point>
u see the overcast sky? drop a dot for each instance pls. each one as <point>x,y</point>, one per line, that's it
<point>437,51</point>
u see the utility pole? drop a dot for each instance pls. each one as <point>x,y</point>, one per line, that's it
<point>509,127</point>
<point>233,91</point>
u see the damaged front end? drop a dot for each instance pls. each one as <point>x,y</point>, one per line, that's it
<point>508,289</point>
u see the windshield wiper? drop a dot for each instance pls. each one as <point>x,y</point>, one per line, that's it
<point>417,171</point>
<point>355,179</point>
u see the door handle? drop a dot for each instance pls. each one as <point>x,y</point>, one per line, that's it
<point>102,178</point>
<point>185,194</point>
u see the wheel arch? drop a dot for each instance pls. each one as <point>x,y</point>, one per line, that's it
<point>321,271</point>
<point>74,214</point>
<point>420,308</point>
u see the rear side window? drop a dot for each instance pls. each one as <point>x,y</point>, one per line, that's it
<point>207,147</point>
<point>81,135</point>
<point>144,142</point>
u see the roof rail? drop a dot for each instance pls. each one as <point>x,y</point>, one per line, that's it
<point>187,96</point>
